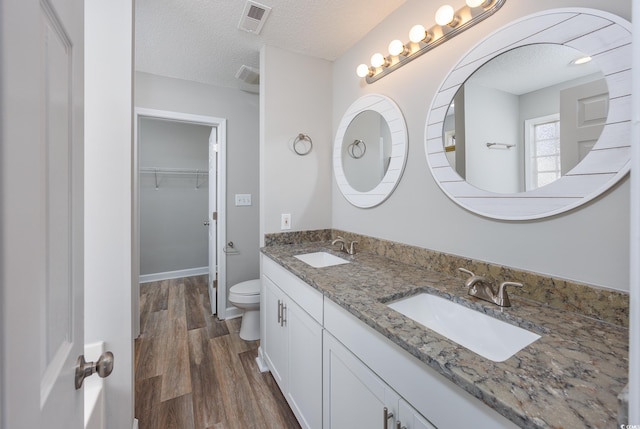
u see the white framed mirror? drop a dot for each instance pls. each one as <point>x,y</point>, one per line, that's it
<point>491,174</point>
<point>370,150</point>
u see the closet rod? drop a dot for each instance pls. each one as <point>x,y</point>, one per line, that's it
<point>173,170</point>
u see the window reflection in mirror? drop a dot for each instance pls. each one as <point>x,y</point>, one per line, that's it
<point>366,150</point>
<point>525,118</point>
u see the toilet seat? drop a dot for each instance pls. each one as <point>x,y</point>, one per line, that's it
<point>247,292</point>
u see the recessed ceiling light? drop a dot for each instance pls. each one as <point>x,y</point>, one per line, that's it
<point>582,60</point>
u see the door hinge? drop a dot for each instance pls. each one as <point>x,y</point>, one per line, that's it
<point>214,215</point>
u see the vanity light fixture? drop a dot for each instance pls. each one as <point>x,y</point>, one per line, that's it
<point>449,23</point>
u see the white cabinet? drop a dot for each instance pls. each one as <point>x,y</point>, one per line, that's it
<point>355,397</point>
<point>338,373</point>
<point>292,341</point>
<point>275,342</point>
<point>442,402</point>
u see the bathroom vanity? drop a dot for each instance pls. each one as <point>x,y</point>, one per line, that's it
<point>343,358</point>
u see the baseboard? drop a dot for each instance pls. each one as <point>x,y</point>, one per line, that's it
<point>146,278</point>
<point>233,312</point>
<point>135,423</point>
<point>262,365</point>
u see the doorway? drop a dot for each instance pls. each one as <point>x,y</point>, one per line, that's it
<point>207,178</point>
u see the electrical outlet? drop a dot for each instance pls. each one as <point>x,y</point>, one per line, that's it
<point>285,221</point>
<point>243,199</point>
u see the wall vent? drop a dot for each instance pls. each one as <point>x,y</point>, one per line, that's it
<point>253,17</point>
<point>248,74</point>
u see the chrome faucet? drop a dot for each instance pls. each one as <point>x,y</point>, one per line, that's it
<point>350,249</point>
<point>480,287</point>
<point>342,243</point>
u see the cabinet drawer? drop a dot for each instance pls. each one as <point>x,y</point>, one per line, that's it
<point>308,298</point>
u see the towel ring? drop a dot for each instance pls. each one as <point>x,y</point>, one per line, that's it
<point>301,138</point>
<point>355,149</point>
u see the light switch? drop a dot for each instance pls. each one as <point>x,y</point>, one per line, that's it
<point>243,199</point>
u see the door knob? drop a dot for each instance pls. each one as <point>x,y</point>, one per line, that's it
<point>84,369</point>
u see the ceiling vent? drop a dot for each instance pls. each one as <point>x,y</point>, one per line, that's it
<point>253,17</point>
<point>248,75</point>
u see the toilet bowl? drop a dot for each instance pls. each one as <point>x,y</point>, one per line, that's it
<point>246,296</point>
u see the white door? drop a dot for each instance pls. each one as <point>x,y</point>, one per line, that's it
<point>42,212</point>
<point>583,113</point>
<point>213,219</point>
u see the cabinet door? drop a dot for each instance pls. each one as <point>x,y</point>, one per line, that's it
<point>354,397</point>
<point>410,418</point>
<point>275,341</point>
<point>305,366</point>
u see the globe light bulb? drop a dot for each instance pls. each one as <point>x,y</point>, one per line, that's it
<point>396,47</point>
<point>476,3</point>
<point>363,70</point>
<point>417,33</point>
<point>445,15</point>
<point>378,60</point>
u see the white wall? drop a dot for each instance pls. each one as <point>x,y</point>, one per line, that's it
<point>240,109</point>
<point>108,137</point>
<point>172,234</point>
<point>295,98</point>
<point>589,244</point>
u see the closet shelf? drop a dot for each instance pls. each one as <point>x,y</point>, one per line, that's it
<point>156,171</point>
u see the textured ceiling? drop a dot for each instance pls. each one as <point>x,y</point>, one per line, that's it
<point>532,67</point>
<point>199,40</point>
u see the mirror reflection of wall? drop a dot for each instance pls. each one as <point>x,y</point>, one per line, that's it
<point>365,168</point>
<point>543,111</point>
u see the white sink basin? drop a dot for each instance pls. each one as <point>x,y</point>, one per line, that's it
<point>321,259</point>
<point>491,338</point>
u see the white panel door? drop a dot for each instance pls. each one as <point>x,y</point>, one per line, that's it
<point>42,212</point>
<point>583,113</point>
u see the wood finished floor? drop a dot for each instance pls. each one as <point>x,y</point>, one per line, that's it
<point>194,371</point>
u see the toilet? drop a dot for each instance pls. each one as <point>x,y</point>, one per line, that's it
<point>246,296</point>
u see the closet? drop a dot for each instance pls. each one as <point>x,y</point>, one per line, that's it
<point>174,192</point>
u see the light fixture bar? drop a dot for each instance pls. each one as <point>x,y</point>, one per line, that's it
<point>377,73</point>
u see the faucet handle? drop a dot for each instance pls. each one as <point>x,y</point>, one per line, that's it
<point>466,271</point>
<point>503,297</point>
<point>341,241</point>
<point>352,248</point>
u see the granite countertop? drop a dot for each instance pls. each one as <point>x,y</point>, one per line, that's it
<point>569,378</point>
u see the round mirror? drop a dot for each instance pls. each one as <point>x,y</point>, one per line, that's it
<point>370,150</point>
<point>513,126</point>
<point>496,144</point>
<point>366,150</point>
